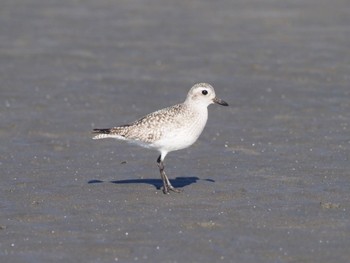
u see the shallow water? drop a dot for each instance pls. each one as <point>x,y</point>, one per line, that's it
<point>267,181</point>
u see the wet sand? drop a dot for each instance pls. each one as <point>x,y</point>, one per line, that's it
<point>267,181</point>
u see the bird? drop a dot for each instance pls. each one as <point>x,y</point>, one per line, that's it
<point>169,129</point>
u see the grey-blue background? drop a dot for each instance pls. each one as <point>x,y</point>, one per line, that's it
<point>268,180</point>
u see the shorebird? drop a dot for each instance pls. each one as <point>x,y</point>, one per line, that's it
<point>169,129</point>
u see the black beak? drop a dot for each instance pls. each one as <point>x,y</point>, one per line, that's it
<point>220,102</point>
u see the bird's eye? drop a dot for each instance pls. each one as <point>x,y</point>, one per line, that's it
<point>204,92</point>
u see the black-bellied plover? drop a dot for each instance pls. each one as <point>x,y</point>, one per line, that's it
<point>170,129</point>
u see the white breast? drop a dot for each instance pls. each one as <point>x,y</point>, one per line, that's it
<point>183,133</point>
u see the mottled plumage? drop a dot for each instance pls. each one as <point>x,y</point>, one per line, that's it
<point>168,129</point>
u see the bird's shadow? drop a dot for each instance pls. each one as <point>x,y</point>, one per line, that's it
<point>178,182</point>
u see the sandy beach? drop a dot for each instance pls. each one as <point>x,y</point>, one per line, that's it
<point>267,181</point>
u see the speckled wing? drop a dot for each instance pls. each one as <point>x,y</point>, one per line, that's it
<point>149,128</point>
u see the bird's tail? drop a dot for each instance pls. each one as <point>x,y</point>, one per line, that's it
<point>116,133</point>
<point>101,133</point>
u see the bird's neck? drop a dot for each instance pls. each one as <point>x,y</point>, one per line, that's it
<point>197,108</point>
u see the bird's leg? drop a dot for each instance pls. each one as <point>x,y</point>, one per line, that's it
<point>166,183</point>
<point>162,175</point>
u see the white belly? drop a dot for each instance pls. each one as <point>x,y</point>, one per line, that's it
<point>182,136</point>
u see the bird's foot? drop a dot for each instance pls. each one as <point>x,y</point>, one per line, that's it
<point>168,188</point>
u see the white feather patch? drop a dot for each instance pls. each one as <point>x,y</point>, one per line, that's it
<point>103,136</point>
